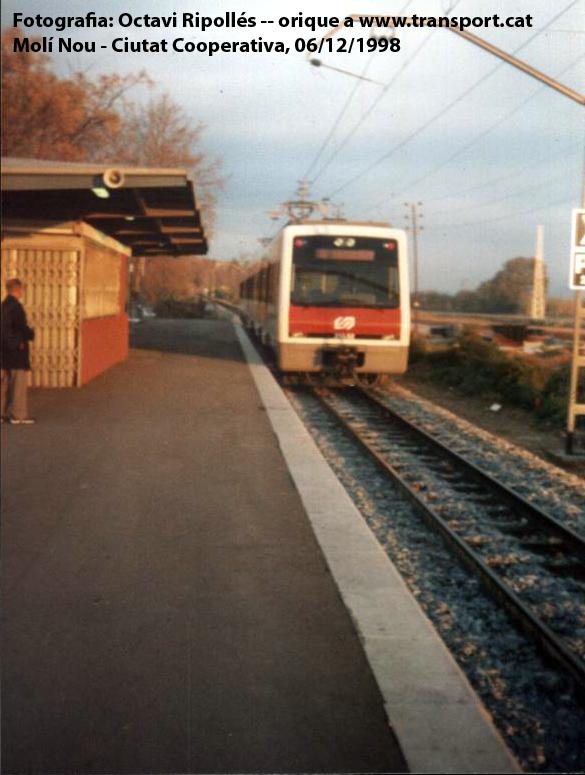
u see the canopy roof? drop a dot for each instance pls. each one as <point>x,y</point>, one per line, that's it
<point>153,211</point>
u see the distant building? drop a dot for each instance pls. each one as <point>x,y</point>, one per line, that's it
<point>78,236</point>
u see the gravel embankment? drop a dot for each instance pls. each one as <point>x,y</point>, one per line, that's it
<point>561,493</point>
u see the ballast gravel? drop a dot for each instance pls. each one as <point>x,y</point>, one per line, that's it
<point>534,706</point>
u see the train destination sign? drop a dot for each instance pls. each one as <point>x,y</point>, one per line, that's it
<point>577,277</point>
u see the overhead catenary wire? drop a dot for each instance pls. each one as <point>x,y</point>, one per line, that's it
<point>469,144</point>
<point>487,131</point>
<point>548,206</point>
<point>375,103</point>
<point>447,108</point>
<point>345,107</point>
<point>565,152</point>
<point>337,120</point>
<point>519,192</point>
<point>372,107</point>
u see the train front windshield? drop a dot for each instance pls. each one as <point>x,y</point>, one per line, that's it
<point>341,271</point>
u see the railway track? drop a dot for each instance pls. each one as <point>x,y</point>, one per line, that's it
<point>530,562</point>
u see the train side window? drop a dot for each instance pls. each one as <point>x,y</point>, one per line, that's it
<point>270,284</point>
<point>275,279</point>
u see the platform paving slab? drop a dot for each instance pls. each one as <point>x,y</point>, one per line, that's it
<point>166,606</point>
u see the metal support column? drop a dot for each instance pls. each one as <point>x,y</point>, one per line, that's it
<point>576,406</point>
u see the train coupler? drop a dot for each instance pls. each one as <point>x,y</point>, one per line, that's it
<point>342,361</point>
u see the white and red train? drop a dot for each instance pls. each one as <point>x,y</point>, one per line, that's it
<point>333,297</point>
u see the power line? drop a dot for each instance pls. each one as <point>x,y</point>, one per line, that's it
<point>447,108</point>
<point>489,129</point>
<point>343,110</point>
<point>337,120</point>
<point>511,195</point>
<point>499,179</point>
<point>501,217</point>
<point>364,117</point>
<point>472,142</point>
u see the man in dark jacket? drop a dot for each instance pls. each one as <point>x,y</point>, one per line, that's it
<point>14,357</point>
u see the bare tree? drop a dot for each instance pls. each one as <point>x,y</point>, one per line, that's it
<point>159,133</point>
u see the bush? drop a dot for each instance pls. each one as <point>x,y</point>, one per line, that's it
<point>477,367</point>
<point>555,396</point>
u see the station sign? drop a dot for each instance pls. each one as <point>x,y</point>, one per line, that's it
<point>577,277</point>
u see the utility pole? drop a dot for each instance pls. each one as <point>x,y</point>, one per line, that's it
<point>576,407</point>
<point>413,215</point>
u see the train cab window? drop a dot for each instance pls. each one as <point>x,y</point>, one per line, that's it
<point>342,271</point>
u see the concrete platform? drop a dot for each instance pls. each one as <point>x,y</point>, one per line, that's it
<point>166,606</point>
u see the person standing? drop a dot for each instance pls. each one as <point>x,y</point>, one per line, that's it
<point>14,357</point>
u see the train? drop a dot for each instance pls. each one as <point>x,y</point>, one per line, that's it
<point>331,299</point>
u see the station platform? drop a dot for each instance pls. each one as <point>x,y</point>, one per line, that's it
<point>166,605</point>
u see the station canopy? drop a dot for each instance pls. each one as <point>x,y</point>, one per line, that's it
<point>152,211</point>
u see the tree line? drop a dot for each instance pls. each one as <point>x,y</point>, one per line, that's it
<point>507,292</point>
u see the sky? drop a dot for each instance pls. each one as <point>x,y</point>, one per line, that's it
<point>488,151</point>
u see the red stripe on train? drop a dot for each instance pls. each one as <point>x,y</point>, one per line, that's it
<point>348,320</point>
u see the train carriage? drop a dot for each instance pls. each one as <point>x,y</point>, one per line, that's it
<point>333,297</point>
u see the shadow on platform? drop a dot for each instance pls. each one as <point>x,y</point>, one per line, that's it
<point>204,338</point>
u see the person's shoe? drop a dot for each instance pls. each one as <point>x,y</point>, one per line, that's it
<point>22,421</point>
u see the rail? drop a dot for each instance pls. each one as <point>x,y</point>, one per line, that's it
<point>548,641</point>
